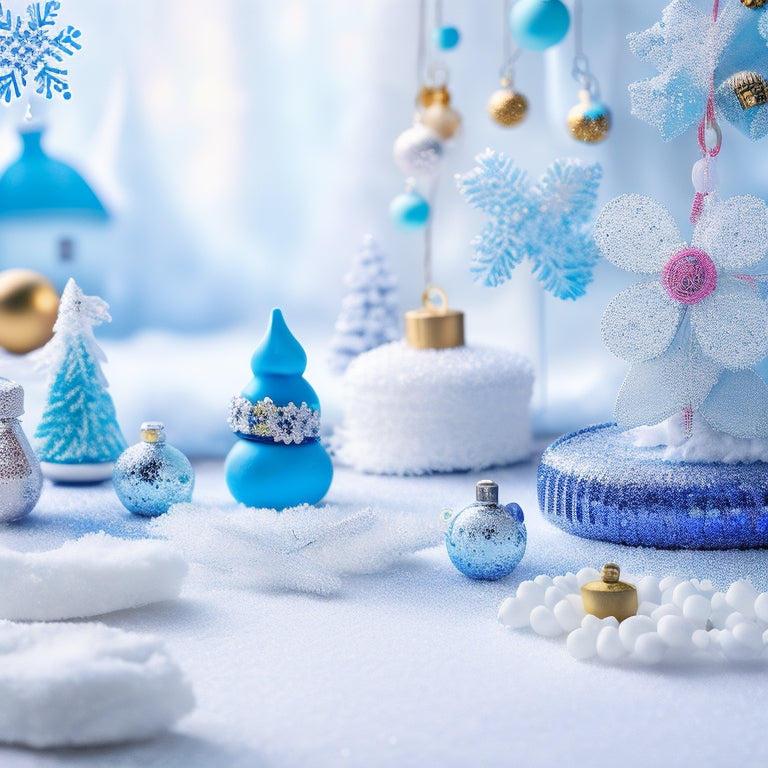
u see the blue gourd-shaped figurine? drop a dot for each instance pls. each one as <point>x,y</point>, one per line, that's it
<point>278,461</point>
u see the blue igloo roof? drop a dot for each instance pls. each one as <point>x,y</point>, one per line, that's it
<point>38,185</point>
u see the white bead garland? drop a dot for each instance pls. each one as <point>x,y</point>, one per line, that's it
<point>676,619</point>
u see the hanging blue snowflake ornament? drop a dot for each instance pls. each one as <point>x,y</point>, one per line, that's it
<point>33,49</point>
<point>547,222</point>
<point>692,51</point>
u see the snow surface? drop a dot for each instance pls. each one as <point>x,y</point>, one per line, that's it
<point>703,445</point>
<point>93,575</point>
<point>81,684</point>
<point>410,667</point>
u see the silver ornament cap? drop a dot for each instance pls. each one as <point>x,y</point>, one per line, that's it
<point>487,491</point>
<point>11,399</point>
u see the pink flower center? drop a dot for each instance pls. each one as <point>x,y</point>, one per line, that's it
<point>689,276</point>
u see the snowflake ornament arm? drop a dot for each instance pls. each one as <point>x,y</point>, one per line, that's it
<point>31,47</point>
<point>545,222</point>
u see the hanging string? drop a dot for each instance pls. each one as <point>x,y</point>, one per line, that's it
<point>581,72</point>
<point>510,49</point>
<point>708,123</point>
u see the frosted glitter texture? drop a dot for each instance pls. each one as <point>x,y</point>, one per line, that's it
<point>597,483</point>
<point>677,621</point>
<point>546,222</point>
<point>149,477</point>
<point>32,51</point>
<point>487,541</point>
<point>20,477</point>
<point>414,411</point>
<point>301,549</point>
<point>698,320</point>
<point>90,576</point>
<point>418,151</point>
<point>686,47</point>
<point>86,684</point>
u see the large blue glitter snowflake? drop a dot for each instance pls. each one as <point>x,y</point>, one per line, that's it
<point>33,47</point>
<point>686,47</point>
<point>547,222</point>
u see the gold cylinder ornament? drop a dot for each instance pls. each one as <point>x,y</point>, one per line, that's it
<point>589,121</point>
<point>434,326</point>
<point>750,88</point>
<point>433,94</point>
<point>29,305</point>
<point>609,596</point>
<point>507,107</point>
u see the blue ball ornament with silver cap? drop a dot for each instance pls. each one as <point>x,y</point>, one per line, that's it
<point>487,540</point>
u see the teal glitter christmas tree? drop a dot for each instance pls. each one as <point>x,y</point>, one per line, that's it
<point>78,437</point>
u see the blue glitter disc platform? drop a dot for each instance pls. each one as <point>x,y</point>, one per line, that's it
<point>595,483</point>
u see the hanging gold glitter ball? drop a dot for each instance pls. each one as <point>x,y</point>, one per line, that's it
<point>442,119</point>
<point>753,3</point>
<point>28,308</point>
<point>589,121</point>
<point>507,107</point>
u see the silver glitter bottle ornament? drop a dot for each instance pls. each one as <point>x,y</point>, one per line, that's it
<point>152,475</point>
<point>486,540</point>
<point>20,477</point>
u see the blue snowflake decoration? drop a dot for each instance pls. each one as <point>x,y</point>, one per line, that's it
<point>32,48</point>
<point>686,47</point>
<point>547,222</point>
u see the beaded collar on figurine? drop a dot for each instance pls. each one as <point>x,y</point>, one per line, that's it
<point>269,423</point>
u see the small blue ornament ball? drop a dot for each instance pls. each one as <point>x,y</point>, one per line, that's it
<point>445,38</point>
<point>409,210</point>
<point>486,540</point>
<point>152,475</point>
<point>539,24</point>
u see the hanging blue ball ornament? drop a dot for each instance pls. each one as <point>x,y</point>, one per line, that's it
<point>486,540</point>
<point>538,24</point>
<point>409,210</point>
<point>445,38</point>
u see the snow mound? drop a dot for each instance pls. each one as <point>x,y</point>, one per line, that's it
<point>677,620</point>
<point>93,575</point>
<point>82,684</point>
<point>301,549</point>
<point>413,411</point>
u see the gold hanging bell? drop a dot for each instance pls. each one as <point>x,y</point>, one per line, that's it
<point>750,88</point>
<point>433,325</point>
<point>610,597</point>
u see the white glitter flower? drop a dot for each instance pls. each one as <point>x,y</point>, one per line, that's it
<point>693,334</point>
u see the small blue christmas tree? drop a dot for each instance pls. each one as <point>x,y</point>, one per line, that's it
<point>78,437</point>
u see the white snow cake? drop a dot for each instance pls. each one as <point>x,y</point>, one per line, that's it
<point>413,411</point>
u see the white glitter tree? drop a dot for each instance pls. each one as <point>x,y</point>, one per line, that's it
<point>369,312</point>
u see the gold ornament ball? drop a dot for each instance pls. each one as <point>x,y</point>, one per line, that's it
<point>588,128</point>
<point>28,308</point>
<point>507,107</point>
<point>442,119</point>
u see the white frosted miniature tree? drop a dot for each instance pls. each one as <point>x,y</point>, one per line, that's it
<point>78,426</point>
<point>369,312</point>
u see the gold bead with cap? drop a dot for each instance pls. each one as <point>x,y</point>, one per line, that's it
<point>609,596</point>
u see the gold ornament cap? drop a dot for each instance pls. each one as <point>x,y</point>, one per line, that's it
<point>434,326</point>
<point>750,88</point>
<point>153,432</point>
<point>610,597</point>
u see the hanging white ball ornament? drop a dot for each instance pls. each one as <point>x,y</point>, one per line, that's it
<point>418,151</point>
<point>704,176</point>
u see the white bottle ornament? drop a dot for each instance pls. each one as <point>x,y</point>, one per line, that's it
<point>20,478</point>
